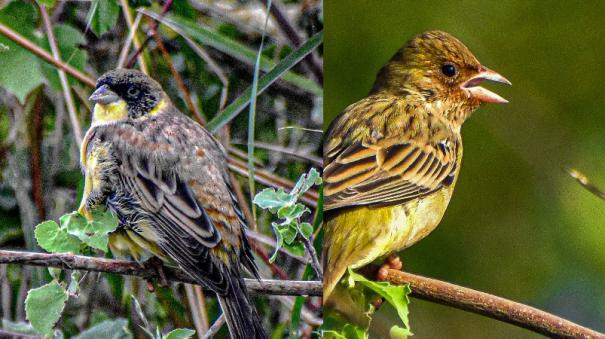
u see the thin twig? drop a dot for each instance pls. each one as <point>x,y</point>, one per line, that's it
<point>132,36</point>
<point>198,314</point>
<point>490,306</point>
<point>132,26</point>
<point>216,326</point>
<point>30,46</point>
<point>314,260</point>
<point>178,79</point>
<point>69,100</point>
<point>9,334</point>
<point>70,261</point>
<point>152,31</point>
<point>316,161</point>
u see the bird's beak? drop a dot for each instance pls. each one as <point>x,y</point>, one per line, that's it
<point>103,95</point>
<point>471,86</point>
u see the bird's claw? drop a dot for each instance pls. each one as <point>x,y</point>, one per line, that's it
<point>157,265</point>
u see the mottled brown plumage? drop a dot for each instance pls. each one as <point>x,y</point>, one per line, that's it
<point>392,159</point>
<point>166,178</point>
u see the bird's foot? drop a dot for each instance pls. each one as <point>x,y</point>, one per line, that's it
<point>393,262</point>
<point>157,265</point>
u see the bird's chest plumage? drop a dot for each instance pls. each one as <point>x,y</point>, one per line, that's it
<point>412,221</point>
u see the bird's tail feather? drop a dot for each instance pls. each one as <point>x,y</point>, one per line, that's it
<point>241,316</point>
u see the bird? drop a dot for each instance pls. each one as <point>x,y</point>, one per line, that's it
<point>392,159</point>
<point>165,178</point>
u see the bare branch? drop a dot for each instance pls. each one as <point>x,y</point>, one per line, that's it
<point>78,262</point>
<point>215,327</point>
<point>490,306</point>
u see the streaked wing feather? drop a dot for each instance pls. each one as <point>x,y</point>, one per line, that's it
<point>389,172</point>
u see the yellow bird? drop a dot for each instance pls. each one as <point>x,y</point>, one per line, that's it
<point>392,159</point>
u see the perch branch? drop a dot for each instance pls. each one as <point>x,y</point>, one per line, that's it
<point>490,306</point>
<point>78,262</point>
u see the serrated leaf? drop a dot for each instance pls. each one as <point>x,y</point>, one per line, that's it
<point>306,229</point>
<point>102,15</point>
<point>21,71</point>
<point>93,233</point>
<point>44,305</point>
<point>397,296</point>
<point>306,181</point>
<point>108,329</point>
<point>55,240</point>
<point>272,199</point>
<point>68,40</point>
<point>291,212</point>
<point>180,333</point>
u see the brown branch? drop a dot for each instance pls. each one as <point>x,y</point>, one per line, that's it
<point>79,262</point>
<point>30,46</point>
<point>490,306</point>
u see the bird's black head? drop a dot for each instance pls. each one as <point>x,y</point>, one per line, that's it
<point>141,93</point>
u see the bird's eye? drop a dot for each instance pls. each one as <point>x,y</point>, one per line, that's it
<point>133,92</point>
<point>448,70</point>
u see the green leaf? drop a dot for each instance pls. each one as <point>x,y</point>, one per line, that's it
<point>306,181</point>
<point>21,71</point>
<point>292,212</point>
<point>44,305</point>
<point>54,239</point>
<point>397,296</point>
<point>102,15</point>
<point>180,333</point>
<point>108,329</point>
<point>271,199</point>
<point>68,40</point>
<point>306,229</point>
<point>93,233</point>
<point>279,239</point>
<point>288,233</point>
<point>296,248</point>
<point>243,100</point>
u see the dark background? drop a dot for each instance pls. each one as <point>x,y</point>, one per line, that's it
<point>518,226</point>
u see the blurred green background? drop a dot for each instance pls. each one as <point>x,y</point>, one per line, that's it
<point>518,226</point>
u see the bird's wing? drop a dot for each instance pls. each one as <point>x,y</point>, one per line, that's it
<point>390,169</point>
<point>154,177</point>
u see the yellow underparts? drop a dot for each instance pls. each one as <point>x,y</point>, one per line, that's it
<point>92,179</point>
<point>358,236</point>
<point>111,112</point>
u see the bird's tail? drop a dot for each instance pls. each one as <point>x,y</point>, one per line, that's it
<point>241,316</point>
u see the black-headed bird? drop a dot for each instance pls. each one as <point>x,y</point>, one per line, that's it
<point>166,179</point>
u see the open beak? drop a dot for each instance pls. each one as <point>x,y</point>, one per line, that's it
<point>103,95</point>
<point>471,86</point>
